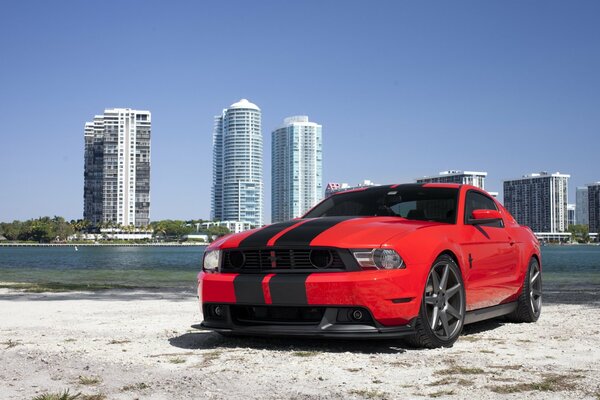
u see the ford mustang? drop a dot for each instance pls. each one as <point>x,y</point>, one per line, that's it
<point>416,261</point>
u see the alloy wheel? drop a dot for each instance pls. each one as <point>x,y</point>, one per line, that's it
<point>535,288</point>
<point>444,301</point>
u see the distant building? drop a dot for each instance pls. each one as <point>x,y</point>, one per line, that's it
<point>233,226</point>
<point>297,168</point>
<point>594,207</point>
<point>454,176</point>
<point>237,190</point>
<point>117,168</point>
<point>581,206</point>
<point>333,187</point>
<point>539,201</point>
<point>571,212</point>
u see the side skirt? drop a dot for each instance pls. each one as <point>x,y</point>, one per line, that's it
<point>489,312</point>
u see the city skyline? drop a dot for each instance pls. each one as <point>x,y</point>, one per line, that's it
<point>420,88</point>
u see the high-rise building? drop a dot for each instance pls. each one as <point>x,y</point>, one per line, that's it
<point>581,206</point>
<point>453,176</point>
<point>237,191</point>
<point>334,187</point>
<point>539,201</point>
<point>594,207</point>
<point>571,212</point>
<point>297,168</point>
<point>117,168</point>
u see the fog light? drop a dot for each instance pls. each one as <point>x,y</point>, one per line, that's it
<point>357,315</point>
<point>218,311</point>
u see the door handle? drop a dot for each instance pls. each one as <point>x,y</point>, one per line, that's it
<point>511,241</point>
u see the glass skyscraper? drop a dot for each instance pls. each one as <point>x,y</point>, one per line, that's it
<point>237,191</point>
<point>581,206</point>
<point>117,168</point>
<point>297,168</point>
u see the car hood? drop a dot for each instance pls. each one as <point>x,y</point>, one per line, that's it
<point>344,232</point>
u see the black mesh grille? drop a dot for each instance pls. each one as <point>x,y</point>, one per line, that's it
<point>264,260</point>
<point>277,315</point>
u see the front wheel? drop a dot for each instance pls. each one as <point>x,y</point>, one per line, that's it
<point>442,312</point>
<point>529,304</point>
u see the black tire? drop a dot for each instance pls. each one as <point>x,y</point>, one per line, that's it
<point>529,303</point>
<point>441,327</point>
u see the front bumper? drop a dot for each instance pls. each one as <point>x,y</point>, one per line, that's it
<point>391,298</point>
<point>329,326</point>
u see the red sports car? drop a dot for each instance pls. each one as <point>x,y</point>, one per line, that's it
<point>415,260</point>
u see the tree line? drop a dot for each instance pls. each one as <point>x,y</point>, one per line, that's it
<point>57,229</point>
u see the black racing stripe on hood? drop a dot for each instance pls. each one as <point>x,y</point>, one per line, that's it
<point>305,233</point>
<point>288,289</point>
<point>262,236</point>
<point>248,289</point>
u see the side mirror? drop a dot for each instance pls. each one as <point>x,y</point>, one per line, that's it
<point>480,217</point>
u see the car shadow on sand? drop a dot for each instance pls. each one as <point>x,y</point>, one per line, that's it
<point>205,340</point>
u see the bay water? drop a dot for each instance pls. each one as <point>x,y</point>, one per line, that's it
<point>569,268</point>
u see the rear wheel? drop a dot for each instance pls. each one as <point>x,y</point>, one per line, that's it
<point>529,304</point>
<point>442,312</point>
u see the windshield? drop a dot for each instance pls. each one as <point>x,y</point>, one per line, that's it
<point>408,201</point>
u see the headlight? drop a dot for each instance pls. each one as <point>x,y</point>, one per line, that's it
<point>379,259</point>
<point>212,260</point>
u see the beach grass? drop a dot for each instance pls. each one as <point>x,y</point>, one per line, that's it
<point>11,343</point>
<point>305,353</point>
<point>65,395</point>
<point>549,383</point>
<point>89,380</point>
<point>369,393</point>
<point>457,369</point>
<point>135,386</point>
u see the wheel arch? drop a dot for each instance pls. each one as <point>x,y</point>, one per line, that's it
<point>453,256</point>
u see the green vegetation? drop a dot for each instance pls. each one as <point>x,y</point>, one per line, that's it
<point>579,233</point>
<point>57,229</point>
<point>369,394</point>
<point>66,395</point>
<point>461,370</point>
<point>89,380</point>
<point>135,386</point>
<point>549,383</point>
<point>42,230</point>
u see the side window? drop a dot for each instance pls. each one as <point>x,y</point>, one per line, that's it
<point>478,201</point>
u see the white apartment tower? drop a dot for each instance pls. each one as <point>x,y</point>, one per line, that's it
<point>237,191</point>
<point>539,201</point>
<point>117,168</point>
<point>454,176</point>
<point>297,168</point>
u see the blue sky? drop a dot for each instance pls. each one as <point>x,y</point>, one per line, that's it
<point>402,89</point>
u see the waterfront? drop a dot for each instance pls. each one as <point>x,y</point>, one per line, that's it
<point>141,267</point>
<point>566,268</point>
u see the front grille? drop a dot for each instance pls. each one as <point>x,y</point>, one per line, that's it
<point>271,260</point>
<point>253,315</point>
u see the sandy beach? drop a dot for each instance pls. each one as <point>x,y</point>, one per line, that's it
<point>140,345</point>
